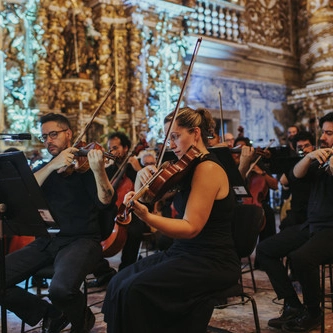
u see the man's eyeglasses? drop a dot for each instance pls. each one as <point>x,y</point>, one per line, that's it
<point>53,135</point>
<point>301,147</point>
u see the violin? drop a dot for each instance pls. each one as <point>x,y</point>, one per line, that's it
<point>265,153</point>
<point>82,163</point>
<point>165,178</point>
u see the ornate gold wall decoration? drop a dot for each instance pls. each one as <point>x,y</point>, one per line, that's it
<point>80,48</point>
<point>268,23</point>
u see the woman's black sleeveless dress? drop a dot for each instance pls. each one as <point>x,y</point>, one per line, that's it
<point>168,292</point>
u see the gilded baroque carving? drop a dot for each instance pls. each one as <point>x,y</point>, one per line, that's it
<point>268,23</point>
<point>70,39</point>
<point>136,93</point>
<point>119,50</point>
<point>21,47</point>
<point>102,13</point>
<point>316,42</point>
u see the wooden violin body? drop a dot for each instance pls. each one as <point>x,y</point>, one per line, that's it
<point>258,188</point>
<point>122,185</point>
<point>167,177</point>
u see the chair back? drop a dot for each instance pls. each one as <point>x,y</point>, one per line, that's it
<point>247,223</point>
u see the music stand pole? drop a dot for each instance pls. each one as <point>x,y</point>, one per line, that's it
<point>2,270</point>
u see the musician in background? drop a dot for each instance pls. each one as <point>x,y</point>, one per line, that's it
<point>126,166</point>
<point>119,144</point>
<point>147,158</point>
<point>303,144</point>
<point>307,245</point>
<point>75,199</point>
<point>216,139</point>
<point>259,181</point>
<point>291,132</point>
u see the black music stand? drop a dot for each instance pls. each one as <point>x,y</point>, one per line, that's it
<point>23,210</point>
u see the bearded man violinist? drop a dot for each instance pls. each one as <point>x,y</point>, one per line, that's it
<point>307,245</point>
<point>75,201</point>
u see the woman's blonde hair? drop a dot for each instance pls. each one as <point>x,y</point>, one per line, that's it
<point>190,118</point>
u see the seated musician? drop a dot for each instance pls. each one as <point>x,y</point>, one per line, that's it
<point>75,200</point>
<point>119,144</point>
<point>307,245</point>
<point>174,286</point>
<point>259,182</point>
<point>217,141</point>
<point>299,189</point>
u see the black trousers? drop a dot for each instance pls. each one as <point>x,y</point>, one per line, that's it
<point>306,252</point>
<point>72,259</point>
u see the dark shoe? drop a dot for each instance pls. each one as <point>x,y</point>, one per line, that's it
<point>89,322</point>
<point>288,314</point>
<point>102,280</point>
<point>54,325</point>
<point>303,323</point>
<point>39,282</point>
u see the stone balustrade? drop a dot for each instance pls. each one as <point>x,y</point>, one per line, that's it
<point>217,19</point>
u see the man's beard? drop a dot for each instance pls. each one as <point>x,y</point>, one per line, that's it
<point>324,144</point>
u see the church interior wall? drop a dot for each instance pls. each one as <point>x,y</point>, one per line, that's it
<point>249,52</point>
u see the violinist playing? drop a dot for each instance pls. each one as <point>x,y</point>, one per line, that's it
<point>259,182</point>
<point>307,245</point>
<point>174,286</point>
<point>75,201</point>
<point>119,144</point>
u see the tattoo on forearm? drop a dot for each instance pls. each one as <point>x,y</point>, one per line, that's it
<point>107,192</point>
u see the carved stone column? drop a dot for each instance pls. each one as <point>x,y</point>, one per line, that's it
<point>315,19</point>
<point>316,41</point>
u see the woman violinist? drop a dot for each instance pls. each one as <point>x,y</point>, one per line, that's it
<point>174,286</point>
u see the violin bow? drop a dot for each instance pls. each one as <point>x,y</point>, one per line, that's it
<point>195,52</point>
<point>258,158</point>
<point>79,138</point>
<point>221,117</point>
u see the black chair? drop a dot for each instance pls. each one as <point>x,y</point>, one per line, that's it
<point>247,223</point>
<point>148,239</point>
<point>324,294</point>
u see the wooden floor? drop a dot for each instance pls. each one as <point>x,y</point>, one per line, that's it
<point>237,319</point>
